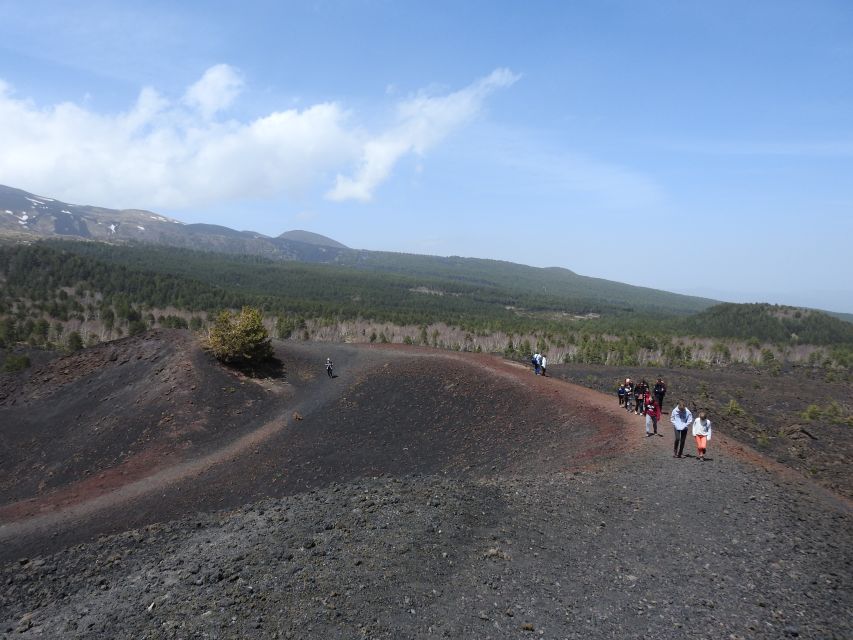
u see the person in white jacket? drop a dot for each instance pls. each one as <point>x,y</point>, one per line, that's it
<point>702,433</point>
<point>681,418</point>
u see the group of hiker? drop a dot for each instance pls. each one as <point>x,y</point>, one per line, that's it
<point>637,396</point>
<point>643,400</point>
<point>646,401</point>
<point>539,362</point>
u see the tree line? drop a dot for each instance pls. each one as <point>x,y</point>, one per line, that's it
<point>45,286</point>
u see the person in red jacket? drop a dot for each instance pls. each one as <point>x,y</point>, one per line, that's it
<point>652,412</point>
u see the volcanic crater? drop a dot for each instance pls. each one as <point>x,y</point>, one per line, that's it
<point>149,492</point>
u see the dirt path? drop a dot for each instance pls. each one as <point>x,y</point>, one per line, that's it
<point>286,456</point>
<point>451,495</point>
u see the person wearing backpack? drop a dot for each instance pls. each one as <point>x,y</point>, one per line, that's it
<point>543,361</point>
<point>329,367</point>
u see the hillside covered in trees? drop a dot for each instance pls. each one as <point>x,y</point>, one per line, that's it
<point>46,287</point>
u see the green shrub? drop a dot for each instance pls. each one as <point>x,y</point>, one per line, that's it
<point>812,412</point>
<point>135,327</point>
<point>16,363</point>
<point>240,338</point>
<point>734,409</point>
<point>832,413</point>
<point>75,342</point>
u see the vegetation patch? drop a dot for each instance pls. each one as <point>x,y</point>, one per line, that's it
<point>15,363</point>
<point>240,339</point>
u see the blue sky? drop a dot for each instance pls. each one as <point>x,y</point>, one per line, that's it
<point>700,147</point>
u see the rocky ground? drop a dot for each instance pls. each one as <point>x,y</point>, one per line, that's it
<point>434,495</point>
<point>764,410</point>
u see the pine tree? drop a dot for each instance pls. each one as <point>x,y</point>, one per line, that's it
<point>241,338</point>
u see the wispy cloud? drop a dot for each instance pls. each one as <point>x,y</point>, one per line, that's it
<point>185,152</point>
<point>422,122</point>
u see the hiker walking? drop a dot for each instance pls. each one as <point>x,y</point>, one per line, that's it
<point>702,433</point>
<point>640,396</point>
<point>537,363</point>
<point>621,394</point>
<point>681,418</point>
<point>629,395</point>
<point>543,361</point>
<point>660,391</point>
<point>652,411</point>
<point>329,367</point>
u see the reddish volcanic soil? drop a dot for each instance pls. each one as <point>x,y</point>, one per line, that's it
<point>151,428</point>
<point>148,492</point>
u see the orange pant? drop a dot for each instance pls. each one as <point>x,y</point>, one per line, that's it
<point>701,444</point>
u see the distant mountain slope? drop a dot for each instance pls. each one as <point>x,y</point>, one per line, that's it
<point>552,282</point>
<point>24,215</point>
<point>770,323</point>
<point>308,237</point>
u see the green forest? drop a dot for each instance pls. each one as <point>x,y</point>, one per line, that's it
<point>44,285</point>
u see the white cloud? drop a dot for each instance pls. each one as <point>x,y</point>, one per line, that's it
<point>181,153</point>
<point>422,122</point>
<point>215,91</point>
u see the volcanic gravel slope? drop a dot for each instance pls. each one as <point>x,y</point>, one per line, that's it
<point>534,509</point>
<point>764,410</point>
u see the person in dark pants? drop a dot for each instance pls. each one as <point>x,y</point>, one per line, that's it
<point>660,391</point>
<point>639,397</point>
<point>329,367</point>
<point>681,418</point>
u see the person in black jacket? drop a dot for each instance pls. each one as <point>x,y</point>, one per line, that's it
<point>660,391</point>
<point>639,397</point>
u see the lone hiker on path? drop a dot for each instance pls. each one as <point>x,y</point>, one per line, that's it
<point>329,367</point>
<point>681,418</point>
<point>702,433</point>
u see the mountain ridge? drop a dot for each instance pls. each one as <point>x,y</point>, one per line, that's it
<point>26,216</point>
